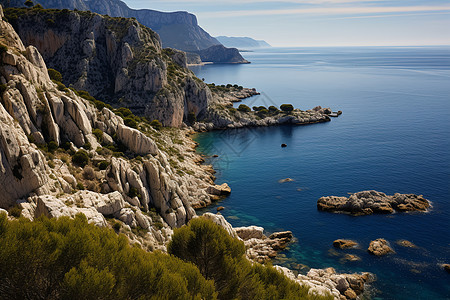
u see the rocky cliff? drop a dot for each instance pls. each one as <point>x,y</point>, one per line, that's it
<point>178,30</point>
<point>220,54</point>
<point>61,154</point>
<point>117,60</point>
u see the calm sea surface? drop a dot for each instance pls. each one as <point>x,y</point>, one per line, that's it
<point>393,136</point>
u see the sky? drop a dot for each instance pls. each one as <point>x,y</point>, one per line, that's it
<point>293,23</point>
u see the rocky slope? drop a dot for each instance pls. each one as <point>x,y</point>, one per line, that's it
<point>116,60</point>
<point>373,202</point>
<point>146,180</point>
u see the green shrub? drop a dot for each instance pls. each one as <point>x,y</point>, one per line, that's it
<point>71,259</point>
<point>98,134</point>
<point>273,109</point>
<point>124,112</point>
<point>52,146</point>
<point>116,226</point>
<point>103,165</point>
<point>87,146</point>
<point>51,164</point>
<point>80,186</point>
<point>54,75</point>
<point>133,192</point>
<point>130,122</point>
<point>3,49</point>
<point>244,108</point>
<point>156,124</point>
<point>15,211</point>
<point>60,85</point>
<point>99,104</point>
<point>287,107</point>
<point>262,112</point>
<point>66,146</point>
<point>258,108</point>
<point>3,88</point>
<point>29,3</point>
<point>80,158</point>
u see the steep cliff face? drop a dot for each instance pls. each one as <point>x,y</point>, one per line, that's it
<point>220,54</point>
<point>178,30</point>
<point>156,175</point>
<point>117,60</point>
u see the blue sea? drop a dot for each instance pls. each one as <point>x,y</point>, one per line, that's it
<point>393,136</point>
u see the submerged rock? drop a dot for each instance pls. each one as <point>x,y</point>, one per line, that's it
<point>380,247</point>
<point>405,243</point>
<point>373,202</point>
<point>446,267</point>
<point>344,244</point>
<point>286,180</point>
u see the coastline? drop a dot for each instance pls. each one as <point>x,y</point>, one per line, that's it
<point>261,248</point>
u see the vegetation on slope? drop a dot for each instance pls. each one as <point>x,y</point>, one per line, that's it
<point>71,259</point>
<point>67,259</point>
<point>221,258</point>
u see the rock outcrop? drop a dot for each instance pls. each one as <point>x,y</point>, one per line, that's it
<point>373,202</point>
<point>323,282</point>
<point>221,54</point>
<point>117,60</point>
<point>380,247</point>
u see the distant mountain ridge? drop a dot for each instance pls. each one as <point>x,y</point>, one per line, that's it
<point>242,42</point>
<point>177,30</point>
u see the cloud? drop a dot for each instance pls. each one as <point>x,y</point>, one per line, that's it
<point>326,11</point>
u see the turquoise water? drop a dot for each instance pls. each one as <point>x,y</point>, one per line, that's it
<point>393,136</point>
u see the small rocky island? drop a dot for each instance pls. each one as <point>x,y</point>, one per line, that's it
<point>373,202</point>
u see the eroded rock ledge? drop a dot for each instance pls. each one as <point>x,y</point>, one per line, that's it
<point>373,202</point>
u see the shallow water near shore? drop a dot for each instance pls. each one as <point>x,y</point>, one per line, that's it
<point>393,136</point>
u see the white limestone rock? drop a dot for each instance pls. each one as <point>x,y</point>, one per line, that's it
<point>136,141</point>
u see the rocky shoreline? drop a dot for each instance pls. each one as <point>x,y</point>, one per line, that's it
<point>322,282</point>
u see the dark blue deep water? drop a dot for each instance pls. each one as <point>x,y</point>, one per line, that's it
<point>393,136</point>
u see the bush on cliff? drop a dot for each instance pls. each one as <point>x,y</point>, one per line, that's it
<point>80,158</point>
<point>221,257</point>
<point>244,108</point>
<point>54,75</point>
<point>71,259</point>
<point>156,124</point>
<point>287,108</point>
